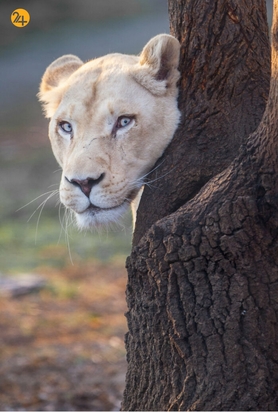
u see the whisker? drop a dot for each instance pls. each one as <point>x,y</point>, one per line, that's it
<point>60,220</point>
<point>38,197</point>
<point>150,185</point>
<point>54,184</point>
<point>53,193</point>
<point>152,170</point>
<point>68,216</point>
<point>141,180</point>
<point>58,170</point>
<point>160,177</point>
<point>148,182</point>
<point>65,223</point>
<point>40,213</point>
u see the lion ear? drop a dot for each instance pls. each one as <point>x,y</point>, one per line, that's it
<point>51,89</point>
<point>159,62</point>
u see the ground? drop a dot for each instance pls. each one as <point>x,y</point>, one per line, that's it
<point>63,348</point>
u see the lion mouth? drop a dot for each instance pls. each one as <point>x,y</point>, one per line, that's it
<point>93,209</point>
<point>95,216</point>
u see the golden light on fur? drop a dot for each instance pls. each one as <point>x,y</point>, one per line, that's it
<point>111,119</point>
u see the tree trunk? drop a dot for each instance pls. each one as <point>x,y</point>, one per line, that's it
<point>225,71</point>
<point>202,287</point>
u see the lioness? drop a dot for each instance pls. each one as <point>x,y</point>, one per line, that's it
<point>111,119</point>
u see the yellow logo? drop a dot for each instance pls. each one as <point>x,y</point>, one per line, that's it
<point>20,17</point>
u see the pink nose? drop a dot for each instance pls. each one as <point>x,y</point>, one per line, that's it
<point>86,184</point>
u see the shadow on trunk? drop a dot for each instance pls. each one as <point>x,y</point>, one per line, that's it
<point>202,289</point>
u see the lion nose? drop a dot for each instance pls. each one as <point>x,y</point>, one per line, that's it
<point>86,184</point>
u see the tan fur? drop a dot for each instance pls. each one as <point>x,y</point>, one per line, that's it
<point>92,97</point>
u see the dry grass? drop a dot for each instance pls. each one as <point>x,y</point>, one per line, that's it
<point>63,348</point>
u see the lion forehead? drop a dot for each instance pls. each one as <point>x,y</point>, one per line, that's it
<point>95,97</point>
<point>107,70</point>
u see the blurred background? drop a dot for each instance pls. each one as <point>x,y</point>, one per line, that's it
<point>62,293</point>
<point>62,296</point>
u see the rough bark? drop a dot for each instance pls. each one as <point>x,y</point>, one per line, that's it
<point>225,71</point>
<point>202,287</point>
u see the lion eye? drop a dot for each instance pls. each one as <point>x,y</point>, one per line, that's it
<point>66,127</point>
<point>123,121</point>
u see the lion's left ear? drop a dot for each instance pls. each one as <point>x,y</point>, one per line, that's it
<point>57,72</point>
<point>158,65</point>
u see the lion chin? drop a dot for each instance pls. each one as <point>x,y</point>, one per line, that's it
<point>111,119</point>
<point>95,217</point>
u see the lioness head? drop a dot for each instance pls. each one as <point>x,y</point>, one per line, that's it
<point>111,119</point>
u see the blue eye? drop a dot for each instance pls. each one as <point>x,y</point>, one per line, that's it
<point>123,121</point>
<point>66,127</point>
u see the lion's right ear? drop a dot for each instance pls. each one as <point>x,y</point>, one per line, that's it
<point>51,87</point>
<point>157,70</point>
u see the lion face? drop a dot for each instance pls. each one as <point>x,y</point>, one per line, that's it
<point>111,119</point>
